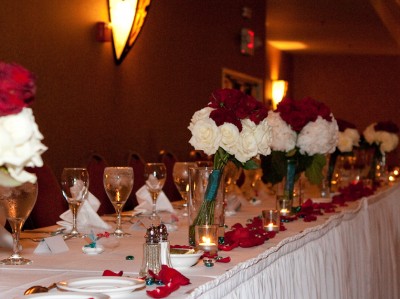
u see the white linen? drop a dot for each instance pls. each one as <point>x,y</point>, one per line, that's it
<point>87,217</point>
<point>353,253</point>
<point>145,202</point>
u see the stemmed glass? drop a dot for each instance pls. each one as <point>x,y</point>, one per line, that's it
<point>155,175</point>
<point>118,183</point>
<point>74,185</point>
<point>180,173</point>
<point>17,203</point>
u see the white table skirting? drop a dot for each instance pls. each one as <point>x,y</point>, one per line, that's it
<point>355,254</point>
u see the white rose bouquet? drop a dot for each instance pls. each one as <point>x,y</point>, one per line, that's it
<point>233,127</point>
<point>382,134</point>
<point>20,139</point>
<point>383,138</point>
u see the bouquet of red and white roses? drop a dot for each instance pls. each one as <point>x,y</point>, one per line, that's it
<point>233,127</point>
<point>20,139</point>
<point>302,133</point>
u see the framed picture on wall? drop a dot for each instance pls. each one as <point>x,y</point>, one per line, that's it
<point>249,85</point>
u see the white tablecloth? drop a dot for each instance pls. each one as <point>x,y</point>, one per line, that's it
<point>351,254</point>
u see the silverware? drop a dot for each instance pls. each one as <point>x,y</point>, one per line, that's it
<point>51,233</point>
<point>39,289</point>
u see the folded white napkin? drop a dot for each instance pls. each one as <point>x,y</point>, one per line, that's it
<point>145,202</point>
<point>87,216</point>
<point>6,239</point>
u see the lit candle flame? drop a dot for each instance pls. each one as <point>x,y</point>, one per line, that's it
<point>206,240</point>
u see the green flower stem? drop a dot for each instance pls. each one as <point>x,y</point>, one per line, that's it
<point>207,208</point>
<point>290,178</point>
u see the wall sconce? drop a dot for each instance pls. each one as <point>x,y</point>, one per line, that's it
<point>127,18</point>
<point>279,89</point>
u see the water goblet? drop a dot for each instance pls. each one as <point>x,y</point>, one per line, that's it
<point>180,174</point>
<point>118,183</point>
<point>17,203</point>
<point>74,185</point>
<point>155,175</point>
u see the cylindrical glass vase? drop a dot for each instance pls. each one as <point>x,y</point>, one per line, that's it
<point>206,199</point>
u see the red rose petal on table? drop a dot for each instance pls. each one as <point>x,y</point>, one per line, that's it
<point>224,260</point>
<point>111,273</point>
<point>167,275</point>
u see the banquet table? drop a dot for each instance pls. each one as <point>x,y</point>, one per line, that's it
<point>352,253</point>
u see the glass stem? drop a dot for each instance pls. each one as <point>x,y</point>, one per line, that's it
<point>74,228</point>
<point>118,220</point>
<point>155,196</point>
<point>15,234</point>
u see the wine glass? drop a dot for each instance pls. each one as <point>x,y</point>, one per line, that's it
<point>155,175</point>
<point>74,184</point>
<point>180,174</point>
<point>118,183</point>
<point>17,203</point>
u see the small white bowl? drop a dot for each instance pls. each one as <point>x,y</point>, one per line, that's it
<point>184,259</point>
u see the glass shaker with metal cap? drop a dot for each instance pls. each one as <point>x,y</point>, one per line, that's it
<point>151,252</point>
<point>165,253</point>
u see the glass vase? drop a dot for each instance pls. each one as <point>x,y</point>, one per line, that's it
<point>206,199</point>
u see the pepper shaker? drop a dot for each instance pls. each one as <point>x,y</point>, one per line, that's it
<point>151,252</point>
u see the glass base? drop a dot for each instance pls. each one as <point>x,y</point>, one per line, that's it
<point>72,235</point>
<point>16,260</point>
<point>119,233</point>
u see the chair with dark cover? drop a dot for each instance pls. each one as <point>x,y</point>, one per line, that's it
<point>95,168</point>
<point>201,158</point>
<point>137,163</point>
<point>50,203</point>
<point>169,189</point>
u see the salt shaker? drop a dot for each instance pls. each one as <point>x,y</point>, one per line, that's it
<point>165,253</point>
<point>151,252</point>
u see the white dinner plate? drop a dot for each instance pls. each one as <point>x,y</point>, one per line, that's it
<point>65,296</point>
<point>110,285</point>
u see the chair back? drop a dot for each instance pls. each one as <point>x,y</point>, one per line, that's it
<point>50,203</point>
<point>95,168</point>
<point>137,163</point>
<point>169,189</point>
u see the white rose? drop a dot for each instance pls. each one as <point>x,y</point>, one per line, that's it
<point>353,135</point>
<point>20,144</point>
<point>247,144</point>
<point>318,137</point>
<point>263,135</point>
<point>345,143</point>
<point>206,136</point>
<point>388,141</point>
<point>370,133</point>
<point>229,137</point>
<point>283,137</point>
<point>199,115</point>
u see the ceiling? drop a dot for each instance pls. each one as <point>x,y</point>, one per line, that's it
<point>369,27</point>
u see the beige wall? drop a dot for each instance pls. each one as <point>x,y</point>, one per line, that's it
<point>85,102</point>
<point>360,89</point>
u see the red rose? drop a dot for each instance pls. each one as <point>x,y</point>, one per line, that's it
<point>343,125</point>
<point>299,113</point>
<point>227,98</point>
<point>387,126</point>
<point>17,88</point>
<point>221,116</point>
